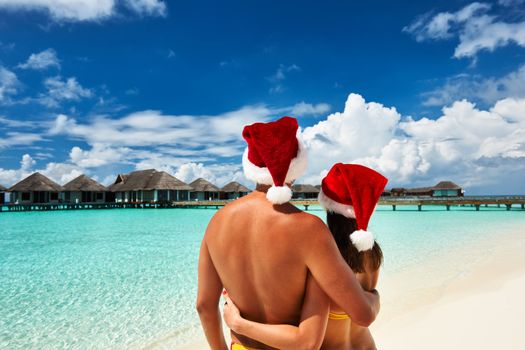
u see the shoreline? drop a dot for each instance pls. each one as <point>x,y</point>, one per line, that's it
<point>479,309</point>
<point>469,305</point>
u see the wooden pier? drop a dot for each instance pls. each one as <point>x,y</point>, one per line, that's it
<point>476,202</point>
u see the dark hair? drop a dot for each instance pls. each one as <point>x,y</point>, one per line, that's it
<point>341,228</point>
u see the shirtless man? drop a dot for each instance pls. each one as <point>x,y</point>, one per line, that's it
<point>262,249</point>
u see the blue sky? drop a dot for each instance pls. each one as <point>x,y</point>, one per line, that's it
<point>115,86</point>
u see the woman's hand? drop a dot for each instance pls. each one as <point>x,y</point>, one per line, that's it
<point>231,314</point>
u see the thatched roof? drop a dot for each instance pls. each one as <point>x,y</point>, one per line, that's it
<point>419,190</point>
<point>235,187</point>
<point>149,179</point>
<point>36,182</point>
<point>446,185</point>
<point>318,187</point>
<point>201,185</point>
<point>304,188</point>
<point>2,188</point>
<point>85,184</point>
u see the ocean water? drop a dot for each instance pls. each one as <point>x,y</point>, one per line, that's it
<point>127,278</point>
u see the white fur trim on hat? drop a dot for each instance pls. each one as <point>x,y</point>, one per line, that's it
<point>339,208</point>
<point>279,194</point>
<point>362,240</point>
<point>261,175</point>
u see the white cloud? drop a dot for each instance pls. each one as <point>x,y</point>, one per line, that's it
<point>147,128</point>
<point>9,84</point>
<point>280,75</point>
<point>218,174</point>
<point>475,87</point>
<point>65,10</point>
<point>9,177</point>
<point>12,138</point>
<point>303,109</point>
<point>85,10</point>
<point>148,7</point>
<point>362,128</point>
<point>59,90</point>
<point>99,155</point>
<point>61,173</point>
<point>476,148</point>
<point>475,29</point>
<point>42,60</point>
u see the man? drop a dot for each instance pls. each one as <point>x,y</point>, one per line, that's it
<point>261,249</point>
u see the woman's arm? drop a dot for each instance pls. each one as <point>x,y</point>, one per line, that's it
<point>308,335</point>
<point>368,278</point>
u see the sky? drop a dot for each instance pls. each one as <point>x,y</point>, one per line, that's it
<point>420,91</point>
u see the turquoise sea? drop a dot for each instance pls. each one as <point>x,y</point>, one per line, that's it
<point>126,278</point>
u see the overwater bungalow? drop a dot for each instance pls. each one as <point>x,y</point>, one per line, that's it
<point>234,190</point>
<point>36,188</point>
<point>3,190</point>
<point>304,191</point>
<point>447,189</point>
<point>83,189</point>
<point>442,189</point>
<point>203,190</point>
<point>149,186</point>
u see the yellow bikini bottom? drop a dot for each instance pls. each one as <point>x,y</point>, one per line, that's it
<point>235,346</point>
<point>338,316</point>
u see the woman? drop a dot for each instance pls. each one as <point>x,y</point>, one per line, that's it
<point>350,194</point>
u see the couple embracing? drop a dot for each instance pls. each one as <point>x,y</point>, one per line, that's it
<point>291,281</point>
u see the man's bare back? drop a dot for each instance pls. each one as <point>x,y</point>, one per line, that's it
<point>257,252</point>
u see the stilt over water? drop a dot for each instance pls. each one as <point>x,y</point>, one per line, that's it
<point>475,202</point>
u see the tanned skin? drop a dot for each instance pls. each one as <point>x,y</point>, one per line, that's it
<point>262,255</point>
<point>338,335</point>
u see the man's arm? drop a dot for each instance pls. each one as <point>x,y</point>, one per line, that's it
<point>208,296</point>
<point>335,277</point>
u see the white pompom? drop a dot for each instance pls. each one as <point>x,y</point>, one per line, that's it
<point>279,194</point>
<point>362,240</point>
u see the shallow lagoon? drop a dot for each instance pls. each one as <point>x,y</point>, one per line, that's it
<point>126,278</point>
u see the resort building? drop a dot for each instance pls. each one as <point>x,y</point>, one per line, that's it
<point>36,188</point>
<point>303,191</point>
<point>203,190</point>
<point>234,190</point>
<point>84,190</point>
<point>2,194</point>
<point>442,189</point>
<point>149,186</point>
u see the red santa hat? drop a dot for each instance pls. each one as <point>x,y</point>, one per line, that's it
<point>274,156</point>
<point>353,191</point>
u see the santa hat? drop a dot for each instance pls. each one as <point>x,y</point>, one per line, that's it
<point>274,156</point>
<point>353,191</point>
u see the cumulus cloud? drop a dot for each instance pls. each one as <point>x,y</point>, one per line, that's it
<point>85,10</point>
<point>478,88</point>
<point>42,60</point>
<point>9,84</point>
<point>218,174</point>
<point>99,155</point>
<point>472,25</point>
<point>476,148</point>
<point>59,90</point>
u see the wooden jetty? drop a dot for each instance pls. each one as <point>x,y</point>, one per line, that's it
<point>476,202</point>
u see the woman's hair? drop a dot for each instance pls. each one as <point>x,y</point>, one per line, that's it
<point>341,228</point>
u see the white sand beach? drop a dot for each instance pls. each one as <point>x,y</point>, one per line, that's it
<point>477,307</point>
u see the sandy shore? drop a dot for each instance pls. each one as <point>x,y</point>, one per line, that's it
<point>480,306</point>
